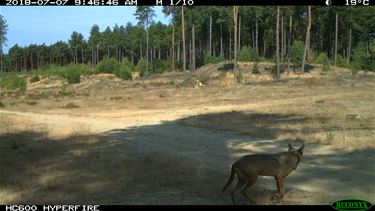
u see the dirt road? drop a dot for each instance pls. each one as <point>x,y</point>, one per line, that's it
<point>324,175</point>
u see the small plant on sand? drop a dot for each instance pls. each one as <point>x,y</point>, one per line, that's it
<point>71,106</point>
<point>34,79</point>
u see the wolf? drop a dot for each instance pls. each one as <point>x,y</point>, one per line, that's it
<point>249,167</point>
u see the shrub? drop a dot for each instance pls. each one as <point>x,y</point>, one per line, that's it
<point>323,60</point>
<point>11,81</point>
<point>34,78</point>
<point>341,61</point>
<point>247,54</point>
<point>71,106</point>
<point>72,74</point>
<point>141,66</point>
<point>107,66</point>
<point>160,66</point>
<point>359,57</point>
<point>213,59</point>
<point>124,72</point>
<point>297,51</point>
<point>2,105</point>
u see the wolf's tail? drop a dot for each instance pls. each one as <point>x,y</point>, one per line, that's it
<point>230,178</point>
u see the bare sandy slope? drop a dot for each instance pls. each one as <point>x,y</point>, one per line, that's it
<point>324,175</point>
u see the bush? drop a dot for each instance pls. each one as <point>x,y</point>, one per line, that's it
<point>2,105</point>
<point>341,61</point>
<point>160,66</point>
<point>34,78</point>
<point>107,66</point>
<point>297,51</point>
<point>72,74</point>
<point>11,81</point>
<point>323,60</point>
<point>141,66</point>
<point>247,54</point>
<point>359,58</point>
<point>124,72</point>
<point>213,59</point>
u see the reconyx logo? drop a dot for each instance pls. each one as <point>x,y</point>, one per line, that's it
<point>351,204</point>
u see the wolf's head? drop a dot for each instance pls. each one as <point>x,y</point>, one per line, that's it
<point>297,152</point>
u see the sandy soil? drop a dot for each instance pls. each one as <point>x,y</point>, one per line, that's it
<point>324,175</point>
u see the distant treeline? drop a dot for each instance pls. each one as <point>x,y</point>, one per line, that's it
<point>208,37</point>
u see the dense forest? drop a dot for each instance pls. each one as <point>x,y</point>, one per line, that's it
<point>201,35</point>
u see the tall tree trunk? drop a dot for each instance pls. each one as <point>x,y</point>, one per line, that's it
<point>252,35</point>
<point>210,37</point>
<point>264,44</point>
<point>193,43</point>
<point>290,40</point>
<point>230,44</point>
<point>92,57</point>
<point>277,44</point>
<point>1,57</point>
<point>31,61</point>
<point>179,51</point>
<point>349,45</point>
<point>190,53</point>
<point>221,40</point>
<point>97,54</point>
<point>147,51</point>
<point>256,35</point>
<point>193,54</point>
<point>336,29</point>
<point>239,34</point>
<point>82,58</point>
<point>307,41</point>
<point>183,39</point>
<point>282,39</point>
<point>173,61</point>
<point>235,17</point>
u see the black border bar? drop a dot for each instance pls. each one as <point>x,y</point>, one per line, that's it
<point>185,2</point>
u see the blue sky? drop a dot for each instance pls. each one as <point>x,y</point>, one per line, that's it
<point>38,25</point>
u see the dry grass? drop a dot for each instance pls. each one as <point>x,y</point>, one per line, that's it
<point>315,118</point>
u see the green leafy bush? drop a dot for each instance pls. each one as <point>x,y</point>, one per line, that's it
<point>34,78</point>
<point>341,61</point>
<point>107,66</point>
<point>247,54</point>
<point>213,59</point>
<point>297,51</point>
<point>72,74</point>
<point>359,57</point>
<point>160,66</point>
<point>11,81</point>
<point>323,60</point>
<point>141,66</point>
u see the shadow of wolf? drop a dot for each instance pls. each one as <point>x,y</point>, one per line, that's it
<point>249,167</point>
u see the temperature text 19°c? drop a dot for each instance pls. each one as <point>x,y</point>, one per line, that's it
<point>357,2</point>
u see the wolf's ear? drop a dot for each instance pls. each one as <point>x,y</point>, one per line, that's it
<point>300,150</point>
<point>290,148</point>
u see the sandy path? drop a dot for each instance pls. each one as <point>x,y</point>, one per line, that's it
<point>324,175</point>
